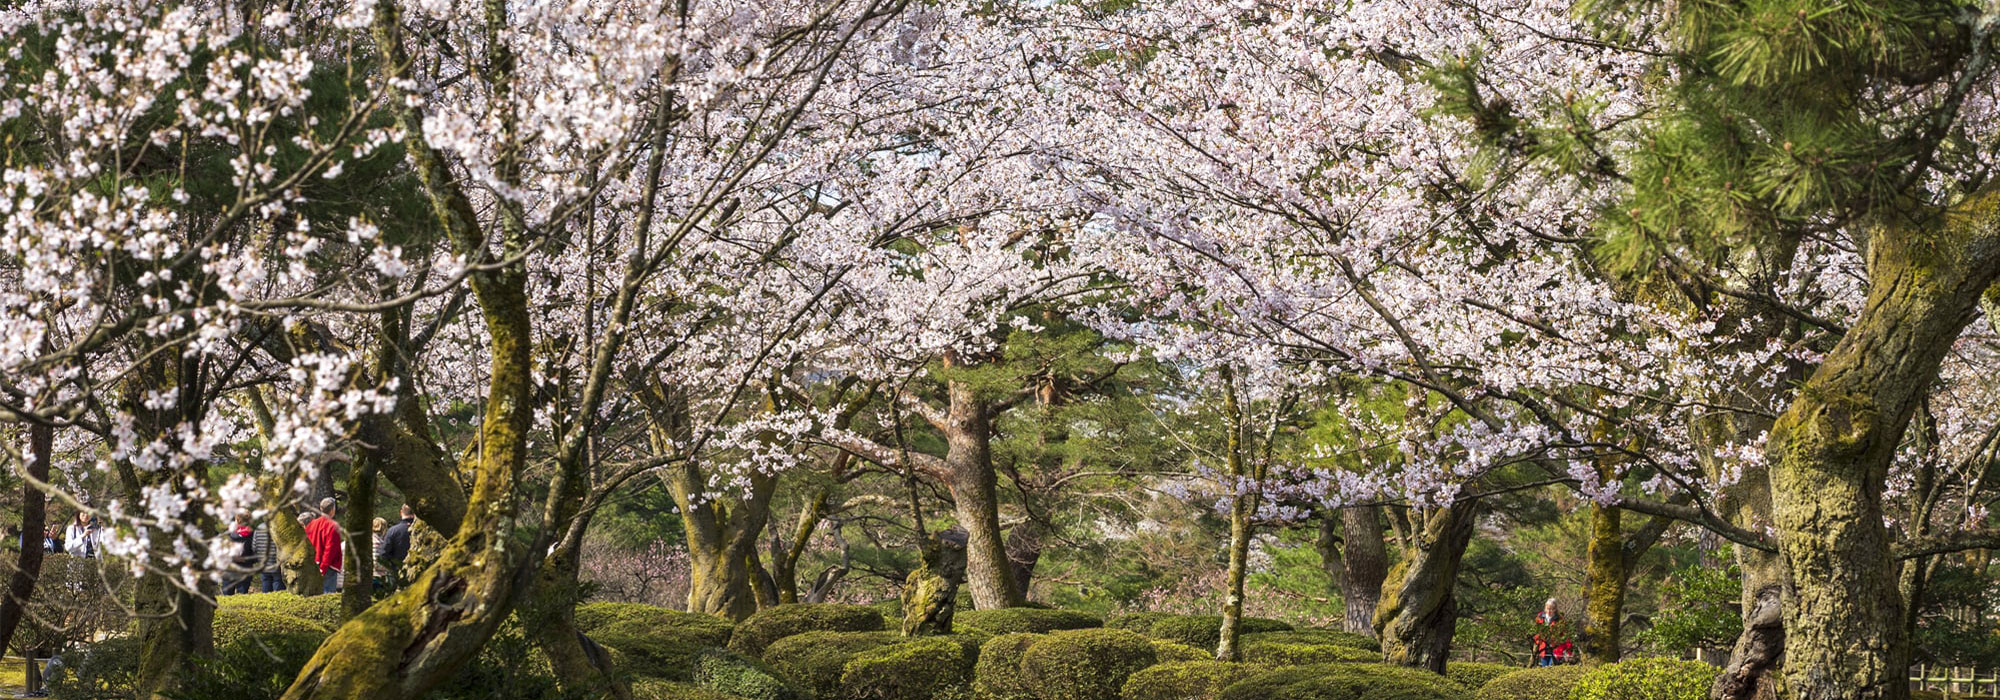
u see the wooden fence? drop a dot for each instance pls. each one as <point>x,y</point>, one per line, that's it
<point>1954,680</point>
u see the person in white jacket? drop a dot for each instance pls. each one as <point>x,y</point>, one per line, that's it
<point>80,539</point>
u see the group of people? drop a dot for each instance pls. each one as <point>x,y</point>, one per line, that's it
<point>258,558</point>
<point>80,537</point>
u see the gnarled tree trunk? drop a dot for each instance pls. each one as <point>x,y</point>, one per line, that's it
<point>1419,612</point>
<point>968,433</point>
<point>1831,449</point>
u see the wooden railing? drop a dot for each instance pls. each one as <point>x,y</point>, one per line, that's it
<point>1955,680</point>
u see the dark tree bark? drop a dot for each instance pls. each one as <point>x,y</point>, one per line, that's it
<point>1419,610</point>
<point>34,520</point>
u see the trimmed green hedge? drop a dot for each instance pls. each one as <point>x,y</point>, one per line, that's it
<point>591,617</point>
<point>917,669</point>
<point>234,626</point>
<point>1199,631</point>
<point>772,624</point>
<point>654,689</point>
<point>1317,636</point>
<point>725,671</point>
<point>1544,683</point>
<point>1346,681</point>
<point>1651,678</point>
<point>323,609</point>
<point>1167,651</point>
<point>1187,680</point>
<point>651,651</point>
<point>1089,664</point>
<point>1282,653</point>
<point>104,669</point>
<point>1476,675</point>
<point>997,676</point>
<point>1012,620</point>
<point>815,660</point>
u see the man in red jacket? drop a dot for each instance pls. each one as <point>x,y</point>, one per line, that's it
<point>325,536</point>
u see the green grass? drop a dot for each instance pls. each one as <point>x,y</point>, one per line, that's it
<point>13,674</point>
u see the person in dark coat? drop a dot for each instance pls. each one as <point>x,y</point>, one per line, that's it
<point>396,548</point>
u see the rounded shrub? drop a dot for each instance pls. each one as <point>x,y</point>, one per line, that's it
<point>323,609</point>
<point>1476,675</point>
<point>1089,664</point>
<point>1167,652</point>
<point>1544,683</point>
<point>107,668</point>
<point>1187,680</point>
<point>1141,622</point>
<point>655,689</point>
<point>1199,631</point>
<point>1345,681</point>
<point>772,624</point>
<point>1275,652</point>
<point>666,653</point>
<point>915,669</point>
<point>591,617</point>
<point>815,660</point>
<point>997,675</point>
<point>1318,636</point>
<point>1651,678</point>
<point>242,626</point>
<point>257,655</point>
<point>730,673</point>
<point>1011,620</point>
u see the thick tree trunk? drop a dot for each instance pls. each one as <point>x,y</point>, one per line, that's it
<point>1604,584</point>
<point>358,591</point>
<point>1757,657</point>
<point>976,499</point>
<point>1239,565</point>
<point>1419,612</point>
<point>722,536</point>
<point>175,627</point>
<point>1831,449</point>
<point>580,665</point>
<point>930,594</point>
<point>1024,551</point>
<point>1352,552</point>
<point>34,519</point>
<point>425,632</point>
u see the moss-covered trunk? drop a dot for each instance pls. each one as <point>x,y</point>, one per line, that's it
<point>1604,585</point>
<point>975,499</point>
<point>425,632</point>
<point>358,591</point>
<point>1243,503</point>
<point>580,665</point>
<point>1830,453</point>
<point>1419,611</point>
<point>721,537</point>
<point>409,642</point>
<point>175,628</point>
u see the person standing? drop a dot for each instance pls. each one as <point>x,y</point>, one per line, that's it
<point>80,538</point>
<point>377,529</point>
<point>395,548</point>
<point>326,537</point>
<point>1552,643</point>
<point>243,564</point>
<point>270,566</point>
